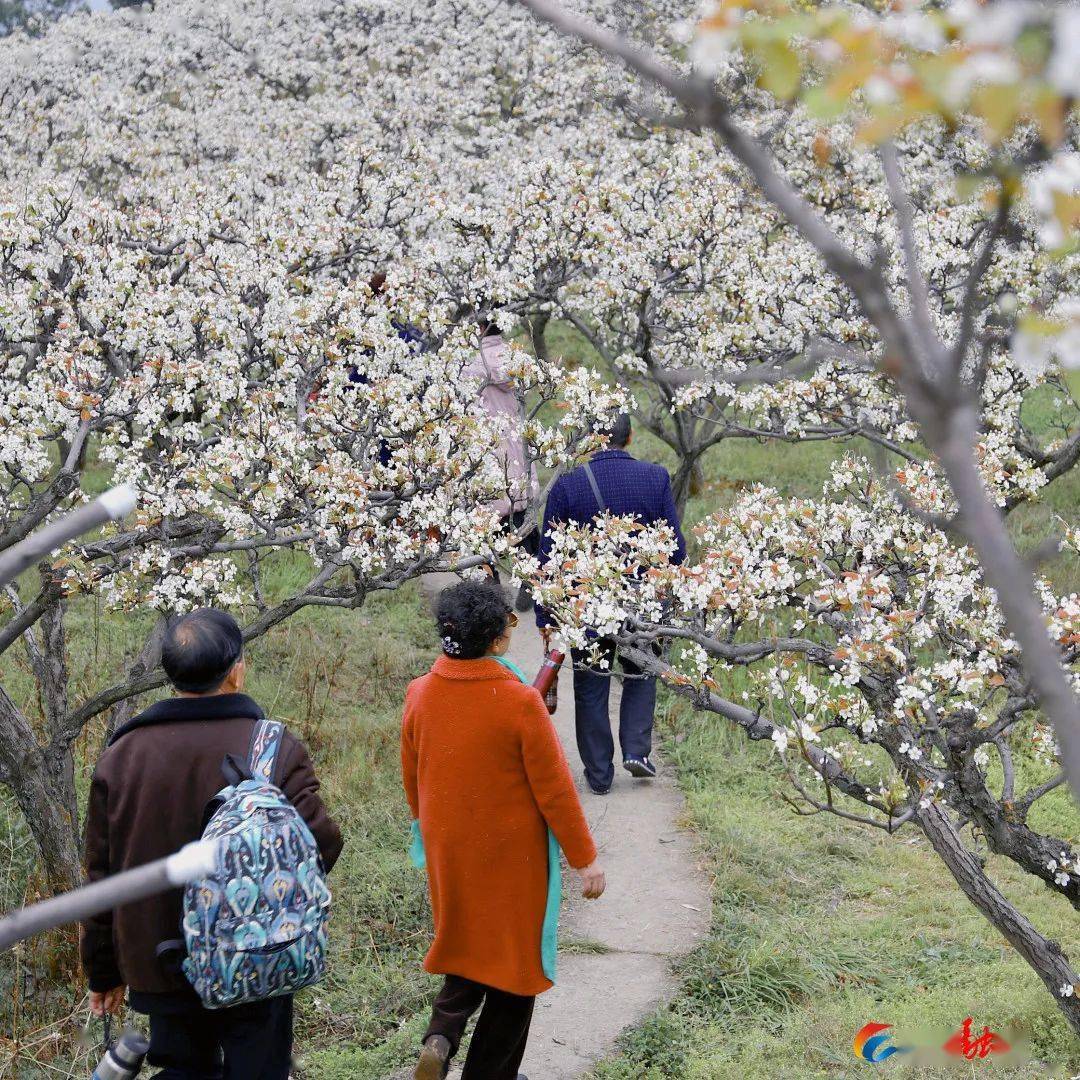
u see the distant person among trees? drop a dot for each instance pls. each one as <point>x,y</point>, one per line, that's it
<point>493,800</point>
<point>611,482</point>
<point>405,331</point>
<point>493,366</point>
<point>148,798</point>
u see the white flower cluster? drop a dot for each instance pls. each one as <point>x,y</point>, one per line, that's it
<point>880,627</point>
<point>1064,867</point>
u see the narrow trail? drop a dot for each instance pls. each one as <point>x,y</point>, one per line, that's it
<point>614,964</point>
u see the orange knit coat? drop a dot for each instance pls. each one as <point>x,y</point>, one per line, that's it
<point>485,775</point>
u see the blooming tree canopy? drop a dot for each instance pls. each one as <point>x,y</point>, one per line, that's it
<point>226,229</point>
<point>924,159</point>
<point>997,92</point>
<point>230,280</point>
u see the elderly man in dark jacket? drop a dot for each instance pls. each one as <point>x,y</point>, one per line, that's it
<point>147,799</point>
<point>616,483</point>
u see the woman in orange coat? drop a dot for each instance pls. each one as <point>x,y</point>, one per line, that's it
<point>486,780</point>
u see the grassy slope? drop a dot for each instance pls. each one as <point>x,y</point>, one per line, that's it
<point>821,926</point>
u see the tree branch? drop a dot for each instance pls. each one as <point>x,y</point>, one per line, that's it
<point>24,619</point>
<point>969,300</point>
<point>151,680</point>
<point>918,293</point>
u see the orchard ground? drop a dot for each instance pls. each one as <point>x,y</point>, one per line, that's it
<point>819,926</point>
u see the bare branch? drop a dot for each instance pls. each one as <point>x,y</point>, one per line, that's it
<point>1029,798</point>
<point>1044,956</point>
<point>141,683</point>
<point>765,372</point>
<point>973,282</point>
<point>918,293</point>
<point>24,619</point>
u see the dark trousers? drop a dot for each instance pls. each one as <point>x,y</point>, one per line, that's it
<point>531,543</point>
<point>498,1042</point>
<point>595,744</point>
<point>246,1042</point>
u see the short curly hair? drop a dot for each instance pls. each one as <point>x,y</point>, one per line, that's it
<point>470,616</point>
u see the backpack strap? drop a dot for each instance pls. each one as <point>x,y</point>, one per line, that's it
<point>262,754</point>
<point>595,486</point>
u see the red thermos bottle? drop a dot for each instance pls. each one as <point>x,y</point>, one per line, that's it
<point>547,679</point>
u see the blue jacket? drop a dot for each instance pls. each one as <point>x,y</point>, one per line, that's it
<point>628,486</point>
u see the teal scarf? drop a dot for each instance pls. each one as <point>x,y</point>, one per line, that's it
<point>549,937</point>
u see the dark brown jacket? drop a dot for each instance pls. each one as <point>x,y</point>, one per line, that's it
<point>147,800</point>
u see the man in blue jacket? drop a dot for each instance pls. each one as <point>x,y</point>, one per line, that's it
<point>616,483</point>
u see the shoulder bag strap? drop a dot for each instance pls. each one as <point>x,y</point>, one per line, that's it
<point>262,754</point>
<point>595,486</point>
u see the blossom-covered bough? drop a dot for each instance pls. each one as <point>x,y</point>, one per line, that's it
<point>872,654</point>
<point>1010,79</point>
<point>699,297</point>
<point>258,400</point>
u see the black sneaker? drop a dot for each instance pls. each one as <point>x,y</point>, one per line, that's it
<point>594,789</point>
<point>641,767</point>
<point>434,1061</point>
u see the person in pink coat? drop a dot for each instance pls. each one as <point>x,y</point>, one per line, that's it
<point>493,366</point>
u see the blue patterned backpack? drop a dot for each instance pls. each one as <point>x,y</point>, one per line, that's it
<point>256,928</point>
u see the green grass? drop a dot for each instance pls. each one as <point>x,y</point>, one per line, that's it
<point>820,927</point>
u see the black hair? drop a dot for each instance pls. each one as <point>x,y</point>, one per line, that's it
<point>485,316</point>
<point>618,434</point>
<point>470,617</point>
<point>199,649</point>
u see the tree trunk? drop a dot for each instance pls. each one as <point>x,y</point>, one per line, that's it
<point>43,782</point>
<point>687,481</point>
<point>697,480</point>
<point>1043,956</point>
<point>538,333</point>
<point>45,790</point>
